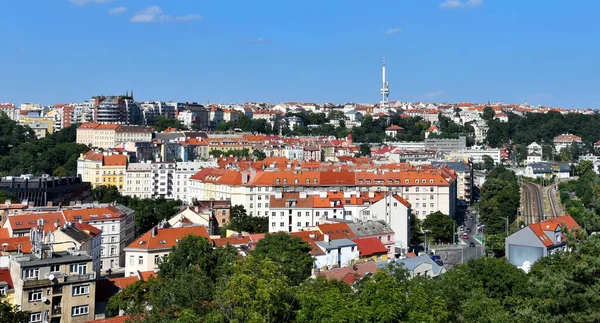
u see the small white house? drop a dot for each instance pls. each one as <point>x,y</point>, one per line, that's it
<point>337,253</point>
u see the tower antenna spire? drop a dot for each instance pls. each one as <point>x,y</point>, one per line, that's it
<point>385,89</point>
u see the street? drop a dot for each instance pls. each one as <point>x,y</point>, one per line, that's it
<point>460,253</point>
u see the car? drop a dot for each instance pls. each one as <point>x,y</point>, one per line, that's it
<point>462,229</point>
<point>472,244</point>
<point>465,236</point>
<point>468,211</point>
<point>469,230</point>
<point>471,217</point>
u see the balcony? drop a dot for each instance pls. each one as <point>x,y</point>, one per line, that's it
<point>57,310</point>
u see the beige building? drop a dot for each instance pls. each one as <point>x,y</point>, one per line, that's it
<point>138,180</point>
<point>60,287</point>
<point>109,135</point>
<point>147,251</point>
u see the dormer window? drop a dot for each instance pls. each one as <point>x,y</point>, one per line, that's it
<point>277,181</point>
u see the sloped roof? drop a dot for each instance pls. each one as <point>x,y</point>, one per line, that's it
<point>5,277</point>
<point>167,238</point>
<point>370,246</point>
<point>28,221</point>
<point>345,274</point>
<point>94,214</point>
<point>414,262</point>
<point>336,230</point>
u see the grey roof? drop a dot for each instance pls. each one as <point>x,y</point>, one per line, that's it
<point>564,167</point>
<point>57,258</point>
<point>414,262</point>
<point>541,168</point>
<point>76,234</point>
<point>369,228</point>
<point>132,167</point>
<point>337,243</point>
<point>459,167</point>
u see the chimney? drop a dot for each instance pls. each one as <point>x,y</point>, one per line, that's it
<point>49,203</point>
<point>7,202</point>
<point>154,231</point>
<point>326,237</point>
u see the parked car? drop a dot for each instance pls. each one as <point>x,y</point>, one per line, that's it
<point>469,230</point>
<point>471,218</point>
<point>465,236</point>
<point>472,244</point>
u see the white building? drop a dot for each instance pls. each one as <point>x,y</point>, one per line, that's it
<point>162,177</point>
<point>183,172</point>
<point>149,250</point>
<point>138,180</point>
<point>534,153</point>
<point>338,252</point>
<point>118,230</point>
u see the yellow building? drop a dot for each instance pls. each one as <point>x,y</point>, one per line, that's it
<point>371,249</point>
<point>113,170</point>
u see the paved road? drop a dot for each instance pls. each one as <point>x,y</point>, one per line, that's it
<point>460,253</point>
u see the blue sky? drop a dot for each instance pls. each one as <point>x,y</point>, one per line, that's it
<point>539,51</point>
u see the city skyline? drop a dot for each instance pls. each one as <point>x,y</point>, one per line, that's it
<point>436,51</point>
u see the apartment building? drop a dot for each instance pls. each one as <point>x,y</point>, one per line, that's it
<point>138,180</point>
<point>147,251</point>
<point>464,178</point>
<point>106,136</point>
<point>55,287</point>
<point>113,169</point>
<point>89,167</point>
<point>11,110</point>
<point>118,230</point>
<point>162,179</point>
<point>428,189</point>
<point>293,212</point>
<point>181,176</point>
<point>81,236</point>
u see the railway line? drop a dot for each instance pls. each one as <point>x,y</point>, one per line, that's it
<point>555,210</point>
<point>533,203</point>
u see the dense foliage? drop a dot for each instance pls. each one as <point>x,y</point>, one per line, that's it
<point>439,227</point>
<point>245,123</point>
<point>148,212</point>
<point>500,198</point>
<point>10,313</point>
<point>542,128</point>
<point>580,197</point>
<point>240,221</point>
<point>22,153</point>
<point>200,283</point>
<point>162,123</point>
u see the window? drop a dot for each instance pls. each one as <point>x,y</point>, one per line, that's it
<point>273,213</point>
<point>3,290</point>
<point>281,213</point>
<point>299,224</point>
<point>55,268</point>
<point>431,204</point>
<point>273,224</point>
<point>80,269</point>
<point>416,189</point>
<point>395,204</point>
<point>417,205</point>
<point>299,214</point>
<point>326,213</point>
<point>81,290</point>
<point>156,259</point>
<point>281,224</point>
<point>259,205</point>
<point>389,238</point>
<point>140,260</point>
<point>80,310</point>
<point>35,296</point>
<point>114,228</point>
<point>113,251</point>
<point>112,239</point>
<point>31,273</point>
<point>352,249</point>
<point>366,212</point>
<point>431,188</point>
<point>307,224</point>
<point>35,317</point>
<point>406,189</point>
<point>431,197</point>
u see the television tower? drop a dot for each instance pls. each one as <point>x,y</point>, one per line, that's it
<point>385,89</point>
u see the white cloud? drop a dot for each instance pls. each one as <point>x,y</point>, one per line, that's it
<point>452,4</point>
<point>434,94</point>
<point>84,2</point>
<point>188,17</point>
<point>117,10</point>
<point>155,14</point>
<point>392,31</point>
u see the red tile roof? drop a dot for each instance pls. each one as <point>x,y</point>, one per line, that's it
<point>167,238</point>
<point>370,247</point>
<point>336,230</point>
<point>115,160</point>
<point>233,241</point>
<point>28,221</point>
<point>95,214</point>
<point>116,319</point>
<point>5,277</point>
<point>350,274</point>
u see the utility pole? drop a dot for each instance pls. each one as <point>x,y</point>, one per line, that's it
<point>454,232</point>
<point>507,226</point>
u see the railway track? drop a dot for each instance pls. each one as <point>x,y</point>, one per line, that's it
<point>555,210</point>
<point>533,203</point>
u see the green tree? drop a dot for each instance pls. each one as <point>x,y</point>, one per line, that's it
<point>256,292</point>
<point>584,166</point>
<point>291,254</point>
<point>11,314</point>
<point>60,172</point>
<point>365,150</point>
<point>440,227</point>
<point>259,154</point>
<point>416,235</point>
<point>330,301</point>
<point>488,162</point>
<point>106,194</point>
<point>162,123</point>
<point>488,114</point>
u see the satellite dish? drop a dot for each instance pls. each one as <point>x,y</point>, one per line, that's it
<point>4,245</point>
<point>526,267</point>
<point>51,277</point>
<point>44,299</point>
